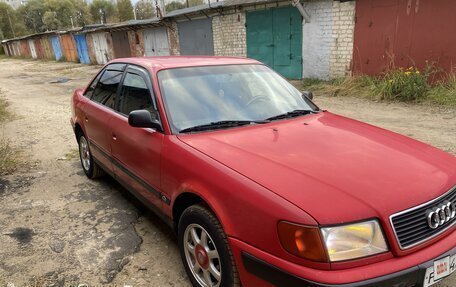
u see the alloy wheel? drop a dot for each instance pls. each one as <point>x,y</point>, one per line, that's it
<point>202,256</point>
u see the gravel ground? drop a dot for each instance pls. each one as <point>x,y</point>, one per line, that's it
<point>58,228</point>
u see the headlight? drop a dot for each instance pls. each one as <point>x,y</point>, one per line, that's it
<point>354,240</point>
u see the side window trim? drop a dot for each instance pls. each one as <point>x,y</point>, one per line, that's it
<point>94,81</point>
<point>122,73</point>
<point>144,74</point>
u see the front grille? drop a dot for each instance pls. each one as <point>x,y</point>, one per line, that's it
<point>411,226</point>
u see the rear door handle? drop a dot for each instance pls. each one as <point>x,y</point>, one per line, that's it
<point>114,137</point>
<point>86,119</point>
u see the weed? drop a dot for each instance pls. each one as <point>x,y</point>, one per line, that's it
<point>405,85</point>
<point>444,92</point>
<point>4,113</point>
<point>9,157</point>
<point>408,85</point>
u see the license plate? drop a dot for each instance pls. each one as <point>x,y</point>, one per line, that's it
<point>441,268</point>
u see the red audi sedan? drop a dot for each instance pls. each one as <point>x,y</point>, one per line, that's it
<point>262,187</point>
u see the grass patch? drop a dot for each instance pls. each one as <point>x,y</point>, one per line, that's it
<point>9,158</point>
<point>351,86</point>
<point>443,93</point>
<point>4,113</point>
<point>401,85</point>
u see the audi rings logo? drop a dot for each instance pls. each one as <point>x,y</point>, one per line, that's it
<point>441,214</point>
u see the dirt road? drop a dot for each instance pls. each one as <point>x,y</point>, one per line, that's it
<point>58,228</point>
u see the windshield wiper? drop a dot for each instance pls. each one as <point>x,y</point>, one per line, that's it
<point>221,125</point>
<point>292,114</point>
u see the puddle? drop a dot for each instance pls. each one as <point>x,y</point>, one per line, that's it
<point>19,76</point>
<point>59,81</point>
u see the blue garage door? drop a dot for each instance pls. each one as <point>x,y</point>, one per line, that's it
<point>56,47</point>
<point>81,46</point>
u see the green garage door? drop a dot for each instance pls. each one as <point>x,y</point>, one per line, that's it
<point>274,37</point>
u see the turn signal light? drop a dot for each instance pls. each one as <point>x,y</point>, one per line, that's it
<point>302,241</point>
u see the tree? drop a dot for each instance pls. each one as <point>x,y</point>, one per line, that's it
<point>82,15</point>
<point>174,5</point>
<point>192,3</point>
<point>64,11</point>
<point>10,20</point>
<point>33,13</point>
<point>102,9</point>
<point>144,9</point>
<point>50,21</point>
<point>125,10</point>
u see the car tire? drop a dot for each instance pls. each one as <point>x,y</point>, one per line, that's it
<point>91,169</point>
<point>197,250</point>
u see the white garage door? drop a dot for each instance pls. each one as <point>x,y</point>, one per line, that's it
<point>100,47</point>
<point>31,44</point>
<point>156,42</point>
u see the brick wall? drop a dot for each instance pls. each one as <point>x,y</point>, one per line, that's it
<point>343,15</point>
<point>230,35</point>
<point>173,38</point>
<point>317,39</point>
<point>136,40</point>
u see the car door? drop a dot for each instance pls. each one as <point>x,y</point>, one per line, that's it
<point>98,111</point>
<point>136,151</point>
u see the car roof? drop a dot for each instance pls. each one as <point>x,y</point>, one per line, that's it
<point>169,62</point>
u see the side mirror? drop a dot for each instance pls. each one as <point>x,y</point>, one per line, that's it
<point>143,119</point>
<point>308,94</point>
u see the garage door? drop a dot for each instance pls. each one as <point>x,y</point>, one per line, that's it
<point>195,37</point>
<point>81,47</point>
<point>274,37</point>
<point>32,49</point>
<point>121,44</point>
<point>101,48</point>
<point>156,42</point>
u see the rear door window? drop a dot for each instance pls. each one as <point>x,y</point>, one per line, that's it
<point>106,90</point>
<point>135,95</point>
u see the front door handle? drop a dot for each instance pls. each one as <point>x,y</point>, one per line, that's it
<point>114,137</point>
<point>86,119</point>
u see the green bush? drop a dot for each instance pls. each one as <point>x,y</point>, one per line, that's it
<point>408,85</point>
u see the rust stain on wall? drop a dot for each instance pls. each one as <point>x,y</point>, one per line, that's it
<point>173,38</point>
<point>136,40</point>
<point>90,47</point>
<point>25,49</point>
<point>39,48</point>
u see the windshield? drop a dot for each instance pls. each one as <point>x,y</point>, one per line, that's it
<point>203,95</point>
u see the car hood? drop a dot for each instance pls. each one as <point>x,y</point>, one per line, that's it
<point>334,168</point>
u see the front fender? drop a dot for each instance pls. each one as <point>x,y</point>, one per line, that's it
<point>245,209</point>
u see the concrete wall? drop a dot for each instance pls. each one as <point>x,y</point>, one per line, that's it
<point>317,39</point>
<point>343,15</point>
<point>230,35</point>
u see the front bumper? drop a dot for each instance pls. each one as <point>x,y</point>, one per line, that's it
<point>259,268</point>
<point>407,278</point>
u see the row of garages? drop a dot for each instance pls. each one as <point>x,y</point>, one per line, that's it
<point>89,47</point>
<point>270,31</point>
<point>330,39</point>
